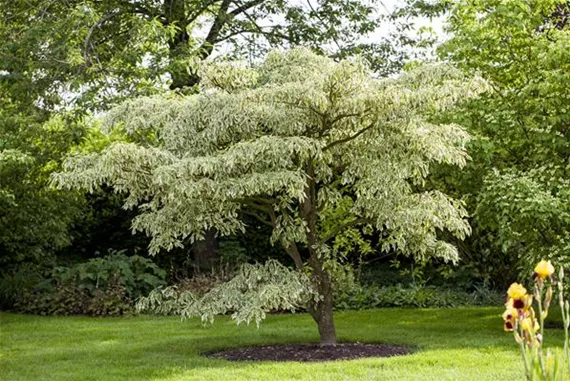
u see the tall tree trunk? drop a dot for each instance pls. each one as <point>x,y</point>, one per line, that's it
<point>322,311</point>
<point>175,14</point>
<point>205,251</point>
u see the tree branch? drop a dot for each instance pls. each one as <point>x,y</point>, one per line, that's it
<point>293,252</point>
<point>324,24</point>
<point>290,247</point>
<point>257,217</point>
<point>263,208</point>
<point>98,24</point>
<point>221,19</point>
<point>339,228</point>
<point>309,108</point>
<point>245,7</point>
<point>257,30</point>
<point>349,138</point>
<point>198,12</point>
<point>342,116</point>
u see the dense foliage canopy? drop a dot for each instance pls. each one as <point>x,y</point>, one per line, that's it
<point>282,141</point>
<point>92,53</point>
<point>63,61</point>
<point>519,180</point>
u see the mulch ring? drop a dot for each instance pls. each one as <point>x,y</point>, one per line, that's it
<point>309,352</point>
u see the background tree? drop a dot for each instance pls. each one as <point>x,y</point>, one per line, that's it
<point>85,56</point>
<point>95,52</point>
<point>34,218</point>
<point>277,142</point>
<point>517,185</point>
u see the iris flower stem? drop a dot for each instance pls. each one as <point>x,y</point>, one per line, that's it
<point>566,320</point>
<point>538,296</point>
<point>525,361</point>
<point>564,308</point>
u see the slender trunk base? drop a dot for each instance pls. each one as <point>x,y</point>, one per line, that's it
<point>327,331</point>
<point>322,312</point>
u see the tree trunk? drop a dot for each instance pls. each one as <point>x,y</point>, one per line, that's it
<point>206,251</point>
<point>322,312</point>
<point>327,331</point>
<point>175,14</point>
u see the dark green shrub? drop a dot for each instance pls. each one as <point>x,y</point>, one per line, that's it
<point>65,299</point>
<point>99,287</point>
<point>17,281</point>
<point>111,302</point>
<point>137,274</point>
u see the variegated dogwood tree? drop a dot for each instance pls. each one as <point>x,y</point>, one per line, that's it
<point>282,141</point>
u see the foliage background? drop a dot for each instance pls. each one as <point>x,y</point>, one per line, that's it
<point>78,59</point>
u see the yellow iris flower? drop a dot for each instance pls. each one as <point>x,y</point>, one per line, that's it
<point>510,317</point>
<point>544,269</point>
<point>510,313</point>
<point>516,292</point>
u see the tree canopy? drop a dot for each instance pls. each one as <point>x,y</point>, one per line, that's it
<point>279,141</point>
<point>75,58</point>
<point>90,54</point>
<point>518,182</point>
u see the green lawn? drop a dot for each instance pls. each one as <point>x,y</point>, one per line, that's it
<point>461,344</point>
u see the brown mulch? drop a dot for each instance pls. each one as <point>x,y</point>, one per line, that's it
<point>309,352</point>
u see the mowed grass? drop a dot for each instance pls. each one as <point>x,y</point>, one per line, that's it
<point>461,344</point>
